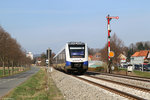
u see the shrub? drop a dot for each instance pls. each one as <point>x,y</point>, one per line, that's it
<point>100,69</point>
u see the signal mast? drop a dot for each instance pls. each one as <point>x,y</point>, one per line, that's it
<point>110,53</point>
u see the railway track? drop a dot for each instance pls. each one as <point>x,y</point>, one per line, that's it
<point>143,79</point>
<point>123,84</point>
<point>134,96</point>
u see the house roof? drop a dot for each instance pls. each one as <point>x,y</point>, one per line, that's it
<point>135,54</point>
<point>141,53</point>
<point>122,56</point>
<point>98,53</point>
<point>90,56</point>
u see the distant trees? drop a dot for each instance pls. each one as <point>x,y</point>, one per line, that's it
<point>11,53</point>
<point>137,47</point>
<point>92,51</point>
<point>43,58</point>
<point>118,47</point>
<point>142,46</point>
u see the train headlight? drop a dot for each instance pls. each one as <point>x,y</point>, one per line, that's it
<point>68,63</point>
<point>85,63</point>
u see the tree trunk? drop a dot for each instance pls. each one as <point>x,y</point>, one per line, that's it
<point>12,67</point>
<point>18,69</point>
<point>4,68</point>
<point>8,68</point>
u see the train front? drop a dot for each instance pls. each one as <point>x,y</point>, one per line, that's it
<point>77,57</point>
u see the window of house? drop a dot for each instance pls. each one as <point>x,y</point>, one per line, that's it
<point>97,56</point>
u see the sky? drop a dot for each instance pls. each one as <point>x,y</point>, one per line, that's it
<point>41,24</point>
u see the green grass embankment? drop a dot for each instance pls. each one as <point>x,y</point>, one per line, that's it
<point>136,73</point>
<point>142,74</point>
<point>123,71</point>
<point>37,87</point>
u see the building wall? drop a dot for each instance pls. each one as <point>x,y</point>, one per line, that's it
<point>148,55</point>
<point>30,55</point>
<point>123,61</point>
<point>97,57</point>
<point>122,58</point>
<point>137,60</point>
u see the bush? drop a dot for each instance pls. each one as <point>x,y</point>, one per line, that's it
<point>91,69</point>
<point>116,68</point>
<point>99,69</point>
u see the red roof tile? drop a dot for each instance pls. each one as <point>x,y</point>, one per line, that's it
<point>90,56</point>
<point>141,53</point>
<point>135,54</point>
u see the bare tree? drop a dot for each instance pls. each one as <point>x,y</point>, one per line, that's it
<point>92,51</point>
<point>116,45</point>
<point>10,52</point>
<point>4,38</point>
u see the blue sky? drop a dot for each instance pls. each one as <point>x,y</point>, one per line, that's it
<point>39,24</point>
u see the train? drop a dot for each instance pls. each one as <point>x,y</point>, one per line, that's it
<point>73,57</point>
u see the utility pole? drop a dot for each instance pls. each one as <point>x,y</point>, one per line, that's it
<point>110,54</point>
<point>48,57</point>
<point>48,68</point>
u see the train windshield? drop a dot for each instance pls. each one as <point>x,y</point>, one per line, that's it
<point>77,51</point>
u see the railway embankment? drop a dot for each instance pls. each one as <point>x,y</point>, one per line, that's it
<point>75,89</point>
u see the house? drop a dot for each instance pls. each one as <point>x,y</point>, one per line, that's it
<point>140,57</point>
<point>94,60</point>
<point>147,59</point>
<point>29,55</point>
<point>122,58</point>
<point>38,61</point>
<point>96,57</point>
<point>90,57</point>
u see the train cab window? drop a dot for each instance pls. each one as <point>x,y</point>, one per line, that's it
<point>77,51</point>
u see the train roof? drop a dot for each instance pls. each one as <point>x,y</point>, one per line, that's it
<point>69,43</point>
<point>59,51</point>
<point>76,43</point>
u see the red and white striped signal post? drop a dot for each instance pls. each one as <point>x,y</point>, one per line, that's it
<point>109,30</point>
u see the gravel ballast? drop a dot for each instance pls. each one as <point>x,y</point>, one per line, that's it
<point>75,89</point>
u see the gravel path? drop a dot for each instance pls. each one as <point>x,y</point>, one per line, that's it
<point>75,89</point>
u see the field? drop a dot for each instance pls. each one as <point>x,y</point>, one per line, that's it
<point>16,70</point>
<point>37,87</point>
<point>124,72</point>
<point>135,73</point>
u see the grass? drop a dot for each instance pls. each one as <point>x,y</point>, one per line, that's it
<point>54,92</point>
<point>124,70</point>
<point>7,72</point>
<point>1,72</point>
<point>137,73</point>
<point>143,74</point>
<point>37,87</point>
